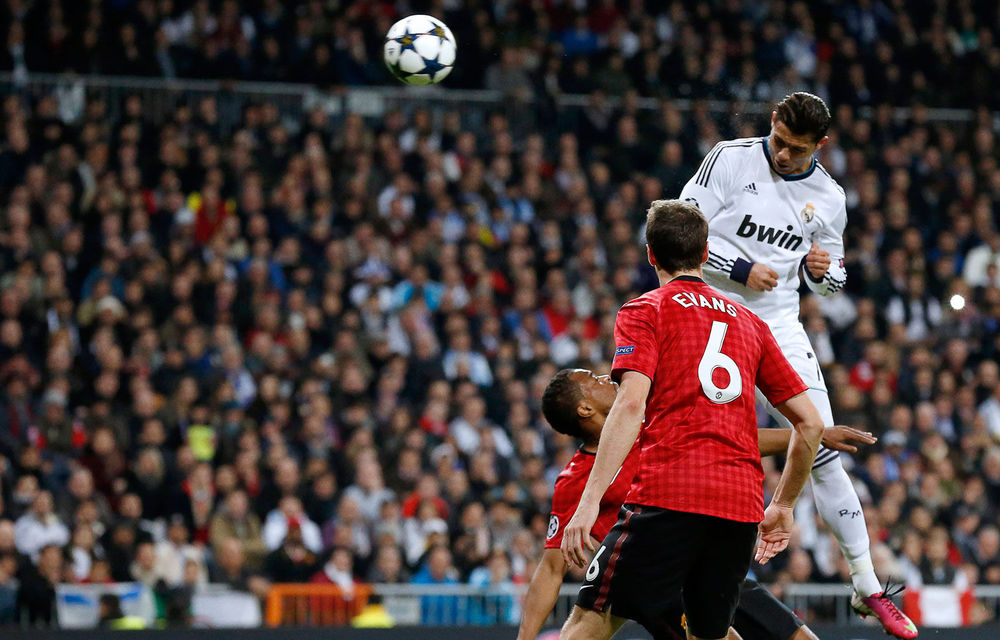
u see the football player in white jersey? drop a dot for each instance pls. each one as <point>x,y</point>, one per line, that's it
<point>775,213</point>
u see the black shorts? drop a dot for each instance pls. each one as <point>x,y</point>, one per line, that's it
<point>759,616</point>
<point>653,557</point>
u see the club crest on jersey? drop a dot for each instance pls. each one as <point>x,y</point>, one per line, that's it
<point>624,351</point>
<point>553,527</point>
<point>808,212</point>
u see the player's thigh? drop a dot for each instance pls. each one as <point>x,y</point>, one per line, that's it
<point>819,397</point>
<point>712,588</point>
<point>761,616</point>
<point>642,562</point>
<point>795,346</point>
<point>584,624</point>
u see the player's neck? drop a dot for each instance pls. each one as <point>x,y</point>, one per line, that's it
<point>666,277</point>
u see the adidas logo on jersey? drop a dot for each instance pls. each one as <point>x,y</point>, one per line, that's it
<point>784,239</point>
<point>751,188</point>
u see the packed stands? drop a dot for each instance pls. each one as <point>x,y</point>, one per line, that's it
<point>263,344</point>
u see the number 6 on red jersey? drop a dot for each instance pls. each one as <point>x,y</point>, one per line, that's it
<point>713,359</point>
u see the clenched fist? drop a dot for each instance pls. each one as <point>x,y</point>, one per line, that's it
<point>762,277</point>
<point>817,261</point>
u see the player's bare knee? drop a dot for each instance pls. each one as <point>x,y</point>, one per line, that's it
<point>584,624</point>
<point>573,627</point>
<point>804,633</point>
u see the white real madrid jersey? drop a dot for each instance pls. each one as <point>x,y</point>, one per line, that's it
<point>758,216</point>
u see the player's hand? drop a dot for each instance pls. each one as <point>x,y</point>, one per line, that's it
<point>576,540</point>
<point>839,438</point>
<point>817,261</point>
<point>762,277</point>
<point>775,531</point>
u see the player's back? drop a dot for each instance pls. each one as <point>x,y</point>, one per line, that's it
<point>704,353</point>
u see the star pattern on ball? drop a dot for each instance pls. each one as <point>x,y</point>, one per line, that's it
<point>406,41</point>
<point>432,67</point>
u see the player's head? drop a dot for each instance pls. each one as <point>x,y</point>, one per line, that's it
<point>676,236</point>
<point>576,402</point>
<point>798,128</point>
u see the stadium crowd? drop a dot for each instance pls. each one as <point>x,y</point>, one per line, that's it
<point>314,349</point>
<point>857,53</point>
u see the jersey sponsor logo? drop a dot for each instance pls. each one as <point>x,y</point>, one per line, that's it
<point>553,527</point>
<point>808,212</point>
<point>624,351</point>
<point>769,235</point>
<point>751,188</point>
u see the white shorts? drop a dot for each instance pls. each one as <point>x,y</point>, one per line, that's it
<point>795,345</point>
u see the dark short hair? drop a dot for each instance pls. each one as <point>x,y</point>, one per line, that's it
<point>804,114</point>
<point>677,233</point>
<point>559,403</point>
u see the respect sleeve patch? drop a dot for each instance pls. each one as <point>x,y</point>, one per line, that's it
<point>624,351</point>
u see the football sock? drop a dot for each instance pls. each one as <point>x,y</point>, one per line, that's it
<point>839,506</point>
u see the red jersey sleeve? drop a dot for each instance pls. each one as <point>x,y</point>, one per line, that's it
<point>565,498</point>
<point>776,378</point>
<point>636,346</point>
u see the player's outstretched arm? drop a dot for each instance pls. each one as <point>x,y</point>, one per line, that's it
<point>774,442</point>
<point>620,431</point>
<point>542,593</point>
<point>807,431</point>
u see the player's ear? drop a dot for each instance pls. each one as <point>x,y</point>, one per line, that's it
<point>704,255</point>
<point>650,257</point>
<point>584,410</point>
<point>774,116</point>
<point>824,140</point>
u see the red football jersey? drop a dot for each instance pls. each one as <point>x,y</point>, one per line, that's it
<point>704,354</point>
<point>569,487</point>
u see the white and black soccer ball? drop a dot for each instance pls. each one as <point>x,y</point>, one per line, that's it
<point>420,50</point>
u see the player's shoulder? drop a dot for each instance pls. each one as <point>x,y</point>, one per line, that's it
<point>731,153</point>
<point>739,143</point>
<point>579,465</point>
<point>571,480</point>
<point>836,191</point>
<point>647,302</point>
<point>738,147</point>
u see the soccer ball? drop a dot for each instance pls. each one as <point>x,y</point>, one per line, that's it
<point>420,50</point>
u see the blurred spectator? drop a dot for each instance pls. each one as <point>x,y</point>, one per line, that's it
<point>40,527</point>
<point>230,568</point>
<point>368,491</point>
<point>175,553</point>
<point>293,561</point>
<point>495,608</point>
<point>286,518</point>
<point>388,567</point>
<point>338,570</point>
<point>235,521</point>
<point>438,569</point>
<point>37,595</point>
